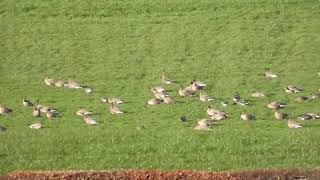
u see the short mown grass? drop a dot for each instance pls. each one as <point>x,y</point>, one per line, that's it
<point>120,47</point>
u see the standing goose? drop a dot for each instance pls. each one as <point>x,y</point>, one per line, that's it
<point>247,116</point>
<point>164,79</point>
<point>4,110</point>
<point>115,110</point>
<point>258,94</point>
<point>89,120</point>
<point>27,103</point>
<point>36,112</point>
<point>49,82</point>
<point>205,97</point>
<point>276,105</point>
<point>281,115</point>
<point>36,125</point>
<point>292,89</point>
<point>270,74</point>
<point>293,125</point>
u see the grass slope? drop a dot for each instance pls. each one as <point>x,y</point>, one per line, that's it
<point>120,47</point>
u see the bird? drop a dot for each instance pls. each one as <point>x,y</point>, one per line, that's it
<point>281,115</point>
<point>158,94</point>
<point>196,85</point>
<point>36,112</point>
<point>309,116</point>
<point>257,94</point>
<point>83,112</point>
<point>51,113</point>
<point>238,100</point>
<point>26,103</point>
<point>89,120</point>
<point>199,83</point>
<point>292,89</point>
<point>158,89</point>
<point>165,79</point>
<point>202,124</point>
<point>186,91</point>
<point>293,125</point>
<point>2,128</point>
<point>275,105</point>
<point>42,108</point>
<point>211,111</point>
<point>270,74</point>
<point>205,97</point>
<point>36,125</point>
<point>236,97</point>
<point>73,85</point>
<point>115,110</point>
<point>315,95</point>
<point>59,83</point>
<point>48,81</point>
<point>168,100</point>
<point>87,90</point>
<point>111,100</point>
<point>219,116</point>
<point>4,110</point>
<point>154,101</point>
<point>301,98</point>
<point>225,103</point>
<point>247,116</point>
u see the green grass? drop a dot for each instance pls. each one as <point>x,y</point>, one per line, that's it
<point>120,47</point>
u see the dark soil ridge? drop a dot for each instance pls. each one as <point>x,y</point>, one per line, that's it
<point>259,174</point>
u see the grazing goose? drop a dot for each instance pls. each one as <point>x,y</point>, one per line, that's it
<point>202,124</point>
<point>247,116</point>
<point>205,97</point>
<point>27,103</point>
<point>89,120</point>
<point>185,91</point>
<point>164,79</point>
<point>309,116</point>
<point>83,112</point>
<point>301,98</point>
<point>291,89</point>
<point>183,118</point>
<point>73,85</point>
<point>258,94</point>
<point>49,82</point>
<point>293,125</point>
<point>2,128</point>
<point>4,110</point>
<point>276,105</point>
<point>59,83</point>
<point>36,112</point>
<point>115,110</point>
<point>168,100</point>
<point>270,74</point>
<point>111,100</point>
<point>36,125</point>
<point>154,101</point>
<point>281,115</point>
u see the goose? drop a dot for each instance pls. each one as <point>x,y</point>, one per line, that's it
<point>219,116</point>
<point>164,79</point>
<point>212,111</point>
<point>2,128</point>
<point>309,116</point>
<point>270,74</point>
<point>36,125</point>
<point>183,118</point>
<point>51,113</point>
<point>158,89</point>
<point>236,97</point>
<point>87,90</point>
<point>225,103</point>
<point>89,120</point>
<point>59,83</point>
<point>196,86</point>
<point>199,83</point>
<point>247,116</point>
<point>315,95</point>
<point>258,94</point>
<point>242,102</point>
<point>292,89</point>
<point>83,112</point>
<point>49,82</point>
<point>281,115</point>
<point>111,100</point>
<point>158,95</point>
<point>4,110</point>
<point>73,85</point>
<point>115,110</point>
<point>42,108</point>
<point>154,101</point>
<point>26,103</point>
<point>36,112</point>
<point>205,97</point>
<point>314,115</point>
<point>185,91</point>
<point>276,105</point>
<point>293,125</point>
<point>202,125</point>
<point>301,98</point>
<point>168,100</point>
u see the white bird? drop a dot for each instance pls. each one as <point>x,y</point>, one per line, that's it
<point>88,90</point>
<point>35,126</point>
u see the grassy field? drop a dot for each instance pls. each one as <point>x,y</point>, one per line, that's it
<point>120,47</point>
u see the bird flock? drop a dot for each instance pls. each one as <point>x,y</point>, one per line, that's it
<point>161,96</point>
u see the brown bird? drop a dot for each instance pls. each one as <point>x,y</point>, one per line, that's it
<point>281,115</point>
<point>293,125</point>
<point>4,110</point>
<point>36,112</point>
<point>247,116</point>
<point>186,91</point>
<point>292,89</point>
<point>270,74</point>
<point>301,98</point>
<point>165,79</point>
<point>258,94</point>
<point>26,103</point>
<point>115,110</point>
<point>48,81</point>
<point>276,105</point>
